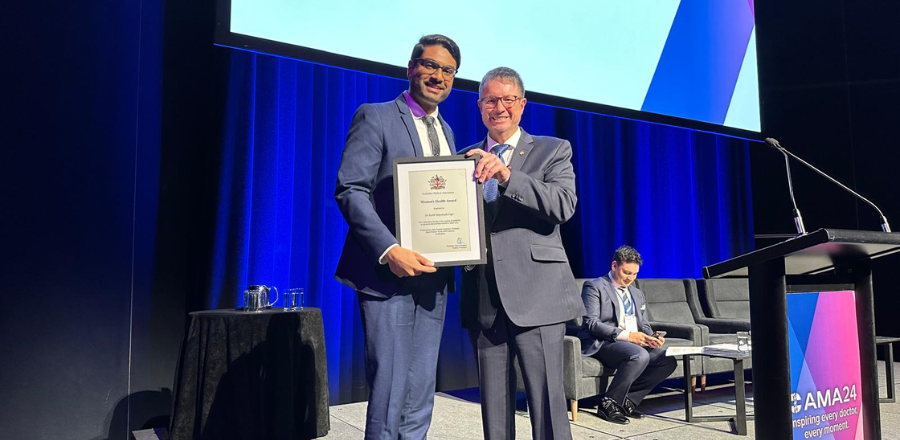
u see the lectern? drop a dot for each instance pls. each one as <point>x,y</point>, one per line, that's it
<point>813,333</point>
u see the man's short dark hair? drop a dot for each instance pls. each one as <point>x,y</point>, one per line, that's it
<point>627,254</point>
<point>504,74</point>
<point>437,40</point>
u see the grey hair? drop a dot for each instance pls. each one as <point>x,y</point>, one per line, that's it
<point>627,254</point>
<point>505,74</point>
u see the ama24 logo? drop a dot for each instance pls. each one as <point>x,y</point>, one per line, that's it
<point>821,399</point>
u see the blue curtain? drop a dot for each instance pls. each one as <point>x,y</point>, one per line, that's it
<point>681,197</point>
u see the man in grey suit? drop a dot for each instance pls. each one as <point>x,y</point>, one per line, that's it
<point>617,332</point>
<point>402,296</point>
<point>517,304</point>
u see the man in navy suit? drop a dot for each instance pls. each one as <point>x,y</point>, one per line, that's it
<point>617,332</point>
<point>402,296</point>
<point>517,304</point>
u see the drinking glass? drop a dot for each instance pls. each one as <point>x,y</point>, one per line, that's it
<point>293,299</point>
<point>743,342</point>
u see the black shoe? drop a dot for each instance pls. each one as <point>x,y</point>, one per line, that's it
<point>610,411</point>
<point>630,410</point>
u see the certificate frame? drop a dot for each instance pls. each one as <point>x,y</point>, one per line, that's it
<point>439,209</point>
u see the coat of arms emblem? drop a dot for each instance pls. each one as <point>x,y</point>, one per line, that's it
<point>437,182</point>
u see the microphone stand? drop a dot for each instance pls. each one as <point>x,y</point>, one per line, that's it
<point>774,144</point>
<point>798,219</point>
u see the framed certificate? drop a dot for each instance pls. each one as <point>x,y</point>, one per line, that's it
<point>439,209</point>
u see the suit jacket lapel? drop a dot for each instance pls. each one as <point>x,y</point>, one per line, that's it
<point>613,297</point>
<point>520,153</point>
<point>448,133</point>
<point>519,156</point>
<point>638,303</point>
<point>407,118</point>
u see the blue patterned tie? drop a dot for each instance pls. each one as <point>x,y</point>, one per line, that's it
<point>626,302</point>
<point>490,187</point>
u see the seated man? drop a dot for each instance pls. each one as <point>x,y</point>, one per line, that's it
<point>617,332</point>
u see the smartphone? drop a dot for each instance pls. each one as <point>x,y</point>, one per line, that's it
<point>659,334</point>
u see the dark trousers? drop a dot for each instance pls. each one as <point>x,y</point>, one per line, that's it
<point>540,354</point>
<point>638,369</point>
<point>403,337</point>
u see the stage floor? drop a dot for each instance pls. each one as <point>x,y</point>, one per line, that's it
<point>457,415</point>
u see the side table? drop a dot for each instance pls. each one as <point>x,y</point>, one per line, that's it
<point>888,343</point>
<point>740,418</point>
<point>252,376</point>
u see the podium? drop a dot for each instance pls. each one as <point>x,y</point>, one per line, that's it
<point>811,370</point>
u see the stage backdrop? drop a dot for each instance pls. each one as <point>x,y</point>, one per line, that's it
<point>681,197</point>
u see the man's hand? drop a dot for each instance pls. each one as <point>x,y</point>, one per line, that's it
<point>408,263</point>
<point>490,166</point>
<point>645,341</point>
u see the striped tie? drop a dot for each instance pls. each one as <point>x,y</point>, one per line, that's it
<point>490,187</point>
<point>627,304</point>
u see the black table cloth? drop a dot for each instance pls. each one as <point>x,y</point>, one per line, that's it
<point>252,376</point>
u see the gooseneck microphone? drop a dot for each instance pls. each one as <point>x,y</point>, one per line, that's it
<point>799,220</point>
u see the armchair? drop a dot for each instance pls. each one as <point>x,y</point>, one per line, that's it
<point>725,298</point>
<point>585,376</point>
<point>673,303</point>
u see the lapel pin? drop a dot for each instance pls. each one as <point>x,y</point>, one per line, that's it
<point>521,153</point>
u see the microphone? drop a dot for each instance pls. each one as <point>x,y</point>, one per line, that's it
<point>799,220</point>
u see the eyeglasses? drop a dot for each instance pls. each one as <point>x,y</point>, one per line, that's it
<point>431,66</point>
<point>490,102</point>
